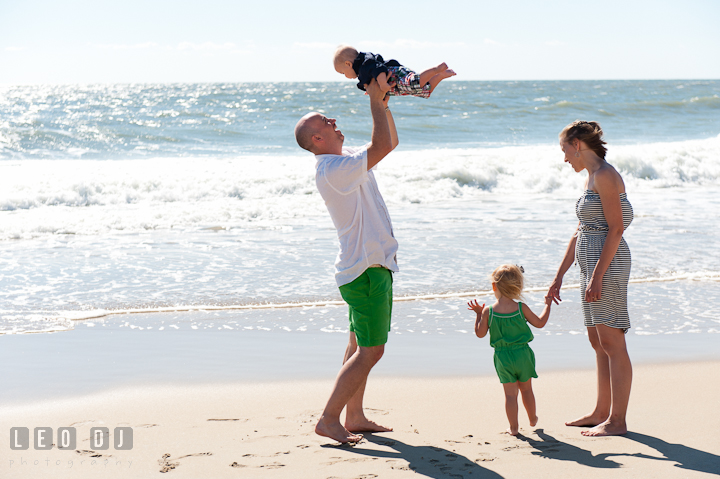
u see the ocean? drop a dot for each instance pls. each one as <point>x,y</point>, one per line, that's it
<point>152,198</point>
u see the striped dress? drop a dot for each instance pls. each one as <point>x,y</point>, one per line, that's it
<point>611,310</point>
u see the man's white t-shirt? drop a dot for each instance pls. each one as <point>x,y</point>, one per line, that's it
<point>358,213</point>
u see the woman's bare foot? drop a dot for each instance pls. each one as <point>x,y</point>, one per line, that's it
<point>512,431</point>
<point>587,421</point>
<point>607,428</point>
<point>336,431</point>
<point>534,421</point>
<point>365,425</point>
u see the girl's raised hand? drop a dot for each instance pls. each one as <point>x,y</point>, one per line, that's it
<point>476,306</point>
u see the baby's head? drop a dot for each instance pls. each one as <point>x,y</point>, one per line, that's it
<point>507,280</point>
<point>343,60</point>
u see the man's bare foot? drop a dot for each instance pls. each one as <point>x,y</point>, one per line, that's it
<point>336,431</point>
<point>534,421</point>
<point>587,421</point>
<point>512,431</point>
<point>365,425</point>
<point>606,429</point>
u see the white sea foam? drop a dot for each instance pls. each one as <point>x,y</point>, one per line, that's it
<point>95,197</point>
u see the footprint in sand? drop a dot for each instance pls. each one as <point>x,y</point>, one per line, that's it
<point>377,411</point>
<point>339,460</point>
<point>231,419</point>
<point>484,458</point>
<point>274,465</point>
<point>82,423</point>
<point>167,465</point>
<point>85,452</point>
<point>235,464</point>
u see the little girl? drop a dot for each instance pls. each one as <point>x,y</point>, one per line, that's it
<point>509,336</point>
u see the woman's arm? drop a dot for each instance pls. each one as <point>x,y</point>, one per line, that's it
<point>605,184</point>
<point>554,291</point>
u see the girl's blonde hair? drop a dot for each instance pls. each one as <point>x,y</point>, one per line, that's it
<point>509,280</point>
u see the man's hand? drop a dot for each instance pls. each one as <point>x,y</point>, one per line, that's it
<point>374,91</point>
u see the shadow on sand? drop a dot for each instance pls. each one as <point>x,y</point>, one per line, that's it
<point>686,457</point>
<point>436,462</point>
<point>552,448</point>
<point>430,461</point>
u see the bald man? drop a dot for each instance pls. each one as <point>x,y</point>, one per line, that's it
<point>366,261</point>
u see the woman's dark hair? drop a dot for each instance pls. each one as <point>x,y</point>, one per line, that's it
<point>588,132</point>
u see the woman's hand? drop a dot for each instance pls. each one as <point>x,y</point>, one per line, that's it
<point>554,290</point>
<point>593,292</point>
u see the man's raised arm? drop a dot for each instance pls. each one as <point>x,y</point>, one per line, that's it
<point>391,122</point>
<point>384,135</point>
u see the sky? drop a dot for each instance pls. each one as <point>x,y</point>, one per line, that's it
<point>148,41</point>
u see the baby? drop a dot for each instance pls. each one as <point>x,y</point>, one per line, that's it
<point>391,76</point>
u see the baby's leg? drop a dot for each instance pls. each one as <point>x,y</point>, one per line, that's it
<point>528,399</point>
<point>435,79</point>
<point>431,72</point>
<point>511,407</point>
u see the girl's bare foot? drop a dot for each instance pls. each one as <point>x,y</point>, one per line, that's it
<point>587,421</point>
<point>607,428</point>
<point>336,431</point>
<point>534,421</point>
<point>512,431</point>
<point>365,425</point>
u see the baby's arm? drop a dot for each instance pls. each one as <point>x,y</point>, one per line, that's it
<point>536,321</point>
<point>481,320</point>
<point>382,82</point>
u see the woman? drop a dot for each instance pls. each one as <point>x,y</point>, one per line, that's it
<point>604,258</point>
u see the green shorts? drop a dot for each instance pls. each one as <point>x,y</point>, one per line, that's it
<point>514,365</point>
<point>369,298</point>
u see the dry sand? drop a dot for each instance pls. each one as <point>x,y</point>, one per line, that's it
<point>444,428</point>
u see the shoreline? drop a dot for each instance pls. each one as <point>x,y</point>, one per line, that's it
<point>93,359</point>
<point>444,427</point>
